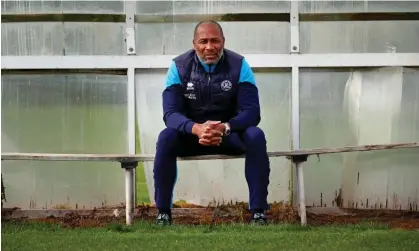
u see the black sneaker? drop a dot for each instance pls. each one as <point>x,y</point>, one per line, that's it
<point>164,219</point>
<point>259,219</point>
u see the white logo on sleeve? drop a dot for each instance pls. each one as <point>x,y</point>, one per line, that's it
<point>226,85</point>
<point>189,86</point>
<point>191,89</point>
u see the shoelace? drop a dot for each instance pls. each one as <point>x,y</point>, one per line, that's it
<point>163,216</point>
<point>258,215</point>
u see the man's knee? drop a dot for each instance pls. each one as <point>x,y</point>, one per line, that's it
<point>168,139</point>
<point>254,137</point>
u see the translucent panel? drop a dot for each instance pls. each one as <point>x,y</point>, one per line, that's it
<point>200,182</point>
<point>63,114</point>
<point>243,37</point>
<point>346,108</point>
<point>72,6</point>
<point>360,37</point>
<point>211,7</point>
<point>51,38</point>
<point>309,6</point>
<point>321,103</point>
<point>387,179</point>
<point>94,39</point>
<point>408,120</point>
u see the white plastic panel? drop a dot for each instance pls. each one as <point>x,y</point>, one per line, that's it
<point>54,38</point>
<point>67,6</point>
<point>359,37</point>
<point>211,7</point>
<point>243,37</point>
<point>309,6</point>
<point>200,182</point>
<point>63,114</point>
<point>346,108</point>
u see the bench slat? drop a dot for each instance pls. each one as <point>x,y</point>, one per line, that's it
<point>150,157</point>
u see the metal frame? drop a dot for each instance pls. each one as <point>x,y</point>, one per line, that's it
<point>295,28</point>
<point>295,103</point>
<point>130,26</point>
<point>130,173</point>
<point>298,187</point>
<point>255,60</point>
<point>131,62</point>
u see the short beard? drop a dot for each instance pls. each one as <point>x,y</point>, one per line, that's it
<point>217,60</point>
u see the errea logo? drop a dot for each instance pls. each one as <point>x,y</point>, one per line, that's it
<point>189,86</point>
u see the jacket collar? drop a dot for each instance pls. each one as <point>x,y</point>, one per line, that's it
<point>210,67</point>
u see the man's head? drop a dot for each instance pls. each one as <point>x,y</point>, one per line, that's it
<point>208,41</point>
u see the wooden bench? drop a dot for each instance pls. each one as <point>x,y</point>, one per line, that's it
<point>130,162</point>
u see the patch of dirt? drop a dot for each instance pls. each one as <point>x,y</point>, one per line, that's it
<point>235,213</point>
<point>75,220</point>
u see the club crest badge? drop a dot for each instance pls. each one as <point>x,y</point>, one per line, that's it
<point>226,85</point>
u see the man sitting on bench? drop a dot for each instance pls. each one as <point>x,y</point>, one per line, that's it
<point>211,106</point>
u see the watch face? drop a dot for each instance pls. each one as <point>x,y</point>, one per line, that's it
<point>227,129</point>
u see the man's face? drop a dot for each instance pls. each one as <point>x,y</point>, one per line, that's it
<point>208,43</point>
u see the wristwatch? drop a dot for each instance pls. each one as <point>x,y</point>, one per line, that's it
<point>227,130</point>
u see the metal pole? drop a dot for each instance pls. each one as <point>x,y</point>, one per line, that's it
<point>301,194</point>
<point>129,190</point>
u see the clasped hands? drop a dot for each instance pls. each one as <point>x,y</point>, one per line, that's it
<point>209,133</point>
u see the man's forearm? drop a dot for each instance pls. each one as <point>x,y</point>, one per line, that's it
<point>244,120</point>
<point>178,122</point>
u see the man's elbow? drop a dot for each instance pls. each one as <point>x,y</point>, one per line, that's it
<point>255,117</point>
<point>170,118</point>
<point>251,116</point>
<point>165,118</point>
<point>258,119</point>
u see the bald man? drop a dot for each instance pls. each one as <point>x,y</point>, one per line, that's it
<point>211,106</point>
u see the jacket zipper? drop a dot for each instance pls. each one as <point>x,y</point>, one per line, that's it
<point>209,88</point>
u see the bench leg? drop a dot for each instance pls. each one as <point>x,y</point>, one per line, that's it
<point>298,160</point>
<point>129,190</point>
<point>301,194</point>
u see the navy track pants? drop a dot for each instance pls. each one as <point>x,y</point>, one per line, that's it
<point>172,144</point>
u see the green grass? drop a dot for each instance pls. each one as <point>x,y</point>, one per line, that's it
<point>143,236</point>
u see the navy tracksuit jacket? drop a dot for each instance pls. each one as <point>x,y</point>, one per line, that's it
<point>196,92</point>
